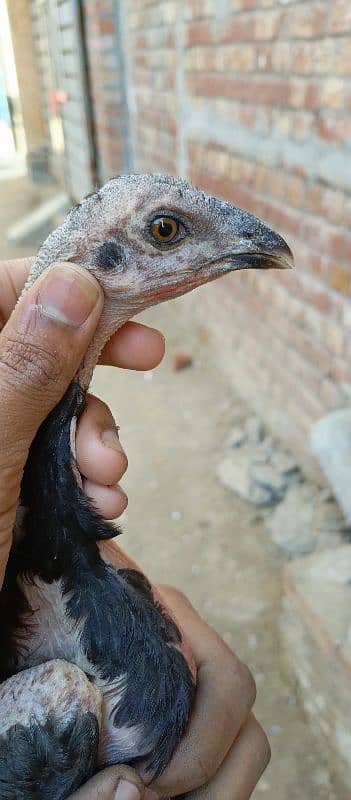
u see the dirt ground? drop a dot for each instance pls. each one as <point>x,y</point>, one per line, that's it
<point>184,528</point>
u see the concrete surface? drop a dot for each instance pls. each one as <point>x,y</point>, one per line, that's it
<point>18,198</point>
<point>36,220</point>
<point>184,528</point>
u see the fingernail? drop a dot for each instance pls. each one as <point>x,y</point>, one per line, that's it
<point>110,439</point>
<point>127,791</point>
<point>68,295</point>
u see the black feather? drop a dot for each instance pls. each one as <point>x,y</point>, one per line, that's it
<point>50,761</point>
<point>124,632</point>
<point>110,256</point>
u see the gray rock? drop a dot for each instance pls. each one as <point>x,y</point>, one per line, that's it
<point>290,525</point>
<point>264,476</point>
<point>285,463</point>
<point>257,483</point>
<point>263,452</point>
<point>254,430</point>
<point>254,467</point>
<point>233,473</point>
<point>237,437</point>
<point>260,495</point>
<point>307,520</point>
<point>331,444</point>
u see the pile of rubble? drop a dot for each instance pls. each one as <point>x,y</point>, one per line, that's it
<point>300,517</point>
<point>312,527</point>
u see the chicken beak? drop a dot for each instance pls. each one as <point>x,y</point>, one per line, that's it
<point>282,258</point>
<point>268,252</point>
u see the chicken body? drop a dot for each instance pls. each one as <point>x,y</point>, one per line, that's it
<point>72,599</point>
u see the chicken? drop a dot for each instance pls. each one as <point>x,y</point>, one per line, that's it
<point>94,668</point>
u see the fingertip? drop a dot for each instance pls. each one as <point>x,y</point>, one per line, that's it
<point>109,501</point>
<point>134,346</point>
<point>104,784</point>
<point>100,456</point>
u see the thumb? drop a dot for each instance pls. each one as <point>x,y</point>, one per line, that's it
<point>114,783</point>
<point>41,347</point>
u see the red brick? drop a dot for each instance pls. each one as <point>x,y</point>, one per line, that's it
<point>198,33</point>
<point>303,94</point>
<point>305,20</point>
<point>101,26</point>
<point>334,337</point>
<point>301,57</point>
<point>340,16</point>
<point>264,58</point>
<point>342,56</point>
<point>266,24</point>
<point>324,56</point>
<point>238,28</point>
<point>340,278</point>
<point>158,119</point>
<point>332,93</point>
<point>333,128</point>
<point>262,90</point>
<point>330,394</point>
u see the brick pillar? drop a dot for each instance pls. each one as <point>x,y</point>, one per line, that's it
<point>27,74</point>
<point>107,86</point>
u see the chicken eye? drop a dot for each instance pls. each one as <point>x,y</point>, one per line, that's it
<point>164,229</point>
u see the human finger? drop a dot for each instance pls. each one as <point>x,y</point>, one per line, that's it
<point>13,275</point>
<point>109,501</point>
<point>100,455</point>
<point>242,768</point>
<point>134,346</point>
<point>41,347</point>
<point>114,783</point>
<point>224,697</point>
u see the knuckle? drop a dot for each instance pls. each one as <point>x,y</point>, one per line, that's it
<point>173,593</point>
<point>249,684</point>
<point>241,680</point>
<point>123,463</point>
<point>202,770</point>
<point>263,746</point>
<point>24,360</point>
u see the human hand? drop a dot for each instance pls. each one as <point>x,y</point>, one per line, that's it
<point>224,751</point>
<point>38,358</point>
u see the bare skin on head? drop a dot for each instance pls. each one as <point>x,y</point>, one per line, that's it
<point>118,235</point>
<point>146,239</point>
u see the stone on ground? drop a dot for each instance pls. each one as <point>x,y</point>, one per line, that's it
<point>307,519</point>
<point>331,445</point>
<point>254,467</point>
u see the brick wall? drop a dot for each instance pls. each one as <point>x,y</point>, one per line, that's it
<point>252,100</point>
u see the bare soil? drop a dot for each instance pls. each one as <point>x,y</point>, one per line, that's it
<point>184,528</point>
